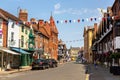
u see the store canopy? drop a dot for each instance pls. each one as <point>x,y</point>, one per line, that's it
<point>21,51</point>
<point>9,51</point>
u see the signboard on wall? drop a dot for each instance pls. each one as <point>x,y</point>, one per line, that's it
<point>1,39</point>
<point>117,43</point>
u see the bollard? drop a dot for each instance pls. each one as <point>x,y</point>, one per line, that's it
<point>86,70</point>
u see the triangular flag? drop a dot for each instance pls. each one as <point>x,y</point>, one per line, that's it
<point>65,21</point>
<point>74,21</point>
<point>82,20</point>
<point>57,21</point>
<point>78,20</point>
<point>70,21</point>
<point>91,19</point>
<point>95,19</point>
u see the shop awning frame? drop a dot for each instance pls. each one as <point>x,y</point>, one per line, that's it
<point>9,51</point>
<point>19,50</point>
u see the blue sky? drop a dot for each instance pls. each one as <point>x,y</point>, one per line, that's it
<point>70,33</point>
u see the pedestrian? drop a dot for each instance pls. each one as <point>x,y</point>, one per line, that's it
<point>96,63</point>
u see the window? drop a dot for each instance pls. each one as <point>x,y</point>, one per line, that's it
<point>22,41</point>
<point>13,25</point>
<point>0,36</point>
<point>12,36</point>
<point>117,31</point>
<point>22,28</point>
<point>26,31</point>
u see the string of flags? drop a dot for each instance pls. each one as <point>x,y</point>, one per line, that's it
<point>86,19</point>
<point>73,41</point>
<point>67,21</point>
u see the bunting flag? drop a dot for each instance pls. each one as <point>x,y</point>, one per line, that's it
<point>83,20</point>
<point>67,21</point>
<point>73,41</point>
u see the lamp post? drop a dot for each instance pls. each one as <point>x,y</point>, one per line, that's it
<point>38,50</point>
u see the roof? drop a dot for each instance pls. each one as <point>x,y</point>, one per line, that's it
<point>2,16</point>
<point>8,15</point>
<point>53,26</point>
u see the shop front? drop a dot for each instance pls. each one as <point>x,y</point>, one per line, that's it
<point>8,59</point>
<point>24,59</point>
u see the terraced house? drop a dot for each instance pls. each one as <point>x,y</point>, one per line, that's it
<point>22,41</point>
<point>107,39</point>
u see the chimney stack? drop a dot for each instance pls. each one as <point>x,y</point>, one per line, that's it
<point>23,15</point>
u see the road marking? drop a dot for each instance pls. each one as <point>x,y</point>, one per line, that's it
<point>87,77</point>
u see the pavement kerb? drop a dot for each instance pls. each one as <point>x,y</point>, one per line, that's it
<point>27,68</point>
<point>15,71</point>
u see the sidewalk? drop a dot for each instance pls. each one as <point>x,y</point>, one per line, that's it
<point>101,73</point>
<point>26,68</point>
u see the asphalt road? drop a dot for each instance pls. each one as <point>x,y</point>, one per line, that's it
<point>65,71</point>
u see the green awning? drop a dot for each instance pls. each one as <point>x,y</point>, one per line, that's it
<point>21,51</point>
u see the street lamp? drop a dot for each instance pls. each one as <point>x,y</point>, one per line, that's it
<point>19,57</point>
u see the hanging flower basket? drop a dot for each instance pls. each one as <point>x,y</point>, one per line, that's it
<point>115,55</point>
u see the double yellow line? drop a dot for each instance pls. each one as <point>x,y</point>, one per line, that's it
<point>87,76</point>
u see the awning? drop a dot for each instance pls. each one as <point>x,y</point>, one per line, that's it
<point>21,51</point>
<point>9,51</point>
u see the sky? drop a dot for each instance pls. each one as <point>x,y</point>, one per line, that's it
<point>71,33</point>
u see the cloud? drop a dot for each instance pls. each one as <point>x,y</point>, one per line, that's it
<point>57,6</point>
<point>73,11</point>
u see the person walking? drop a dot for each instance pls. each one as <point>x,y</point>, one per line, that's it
<point>96,64</point>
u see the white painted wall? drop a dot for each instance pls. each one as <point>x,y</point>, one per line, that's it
<point>117,42</point>
<point>16,31</point>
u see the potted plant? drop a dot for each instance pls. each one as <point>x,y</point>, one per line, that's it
<point>116,59</point>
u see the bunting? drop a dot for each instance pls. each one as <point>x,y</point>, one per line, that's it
<point>67,21</point>
<point>84,20</point>
<point>73,41</point>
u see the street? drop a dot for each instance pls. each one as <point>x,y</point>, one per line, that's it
<point>65,71</point>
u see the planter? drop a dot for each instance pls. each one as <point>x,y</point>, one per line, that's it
<point>111,69</point>
<point>115,70</point>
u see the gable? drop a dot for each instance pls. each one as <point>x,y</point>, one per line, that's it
<point>44,32</point>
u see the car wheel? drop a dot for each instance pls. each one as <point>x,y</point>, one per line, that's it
<point>32,68</point>
<point>53,65</point>
<point>48,67</point>
<point>43,67</point>
<point>56,65</point>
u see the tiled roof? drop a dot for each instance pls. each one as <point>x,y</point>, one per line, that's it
<point>8,15</point>
<point>2,16</point>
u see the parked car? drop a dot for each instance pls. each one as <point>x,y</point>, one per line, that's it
<point>52,62</point>
<point>40,63</point>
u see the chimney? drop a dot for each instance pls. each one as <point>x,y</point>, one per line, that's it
<point>23,15</point>
<point>33,20</point>
<point>95,28</point>
<point>41,23</point>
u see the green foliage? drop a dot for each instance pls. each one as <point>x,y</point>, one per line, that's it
<point>115,55</point>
